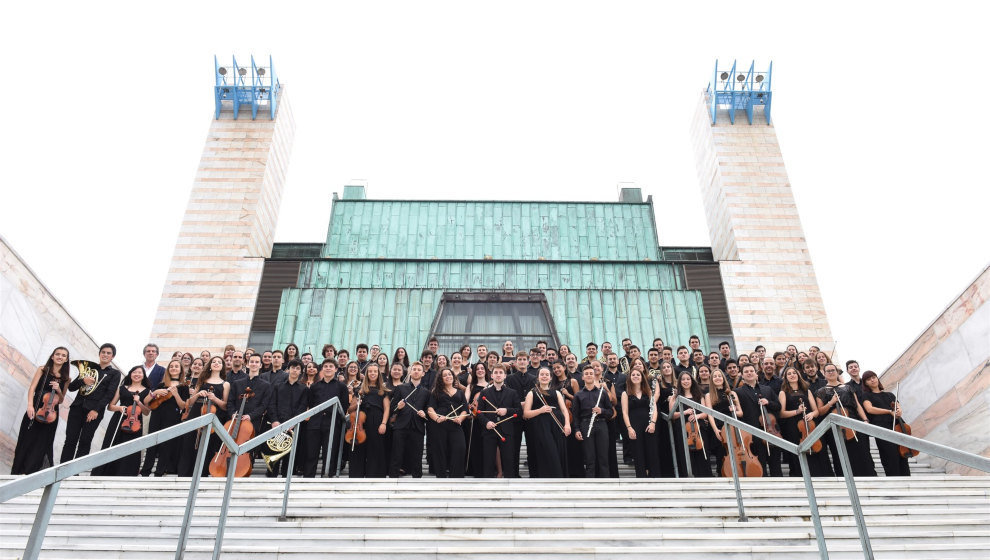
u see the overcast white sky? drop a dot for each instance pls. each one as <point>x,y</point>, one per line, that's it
<point>879,107</point>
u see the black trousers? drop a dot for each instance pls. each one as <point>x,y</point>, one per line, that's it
<point>78,433</point>
<point>449,449</point>
<point>644,452</point>
<point>595,447</point>
<point>613,452</point>
<point>407,453</point>
<point>890,458</point>
<point>317,446</point>
<point>492,443</point>
<point>368,458</point>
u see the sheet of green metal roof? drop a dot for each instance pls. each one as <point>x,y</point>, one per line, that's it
<point>498,230</point>
<point>312,317</point>
<point>489,275</point>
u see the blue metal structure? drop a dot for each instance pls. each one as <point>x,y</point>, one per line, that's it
<point>257,86</point>
<point>737,89</point>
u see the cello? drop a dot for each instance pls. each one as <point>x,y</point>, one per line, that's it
<point>901,427</point>
<point>241,431</point>
<point>746,463</point>
<point>805,427</point>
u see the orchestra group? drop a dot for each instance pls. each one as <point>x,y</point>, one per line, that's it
<point>470,412</point>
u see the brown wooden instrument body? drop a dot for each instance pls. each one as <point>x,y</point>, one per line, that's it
<point>805,427</point>
<point>158,401</point>
<point>694,440</point>
<point>902,427</point>
<point>241,431</point>
<point>356,426</point>
<point>747,464</point>
<point>48,412</point>
<point>131,423</point>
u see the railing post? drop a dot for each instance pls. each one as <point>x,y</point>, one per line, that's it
<point>204,440</point>
<point>288,473</point>
<point>40,526</point>
<point>340,446</point>
<point>673,448</point>
<point>222,522</point>
<point>864,536</point>
<point>735,473</point>
<point>329,449</point>
<point>687,452</point>
<point>816,520</point>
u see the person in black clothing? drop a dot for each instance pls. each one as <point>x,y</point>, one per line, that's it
<point>751,397</point>
<point>411,400</point>
<point>592,402</point>
<point>687,387</point>
<point>522,382</point>
<point>797,404</point>
<point>615,380</point>
<point>319,440</point>
<point>546,414</point>
<point>166,415</point>
<point>257,405</point>
<point>131,393</point>
<point>447,410</point>
<point>721,398</point>
<point>863,440</point>
<point>368,458</point>
<point>36,439</point>
<point>496,408</point>
<point>811,377</point>
<point>883,411</point>
<point>86,411</point>
<point>836,397</point>
<point>288,401</point>
<point>683,361</point>
<point>639,412</point>
<point>769,378</point>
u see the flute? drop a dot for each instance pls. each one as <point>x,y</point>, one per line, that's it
<point>594,414</point>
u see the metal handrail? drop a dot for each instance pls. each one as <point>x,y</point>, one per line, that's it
<point>51,478</point>
<point>832,423</point>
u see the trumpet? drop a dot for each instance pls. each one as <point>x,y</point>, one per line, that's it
<point>279,446</point>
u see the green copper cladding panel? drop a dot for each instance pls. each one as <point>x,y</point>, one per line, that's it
<point>393,317</point>
<point>489,275</point>
<point>498,230</point>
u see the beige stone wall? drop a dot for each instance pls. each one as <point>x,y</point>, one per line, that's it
<point>943,378</point>
<point>227,231</point>
<point>770,285</point>
<point>32,324</point>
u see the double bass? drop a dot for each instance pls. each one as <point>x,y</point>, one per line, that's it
<point>746,463</point>
<point>241,431</point>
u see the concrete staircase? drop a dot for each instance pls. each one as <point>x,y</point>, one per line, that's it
<point>927,516</point>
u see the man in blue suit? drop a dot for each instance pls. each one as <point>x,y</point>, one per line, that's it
<point>155,371</point>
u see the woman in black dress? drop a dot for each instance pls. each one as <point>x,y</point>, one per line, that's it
<point>721,398</point>
<point>474,428</point>
<point>640,414</point>
<point>368,458</point>
<point>836,397</point>
<point>664,442</point>
<point>687,387</point>
<point>209,394</point>
<point>166,415</point>
<point>883,410</point>
<point>549,425</point>
<point>131,392</point>
<point>447,409</point>
<point>36,439</point>
<point>796,405</point>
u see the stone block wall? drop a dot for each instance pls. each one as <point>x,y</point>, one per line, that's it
<point>770,285</point>
<point>943,378</point>
<point>227,231</point>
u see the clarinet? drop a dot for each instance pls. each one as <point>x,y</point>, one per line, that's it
<point>594,414</point>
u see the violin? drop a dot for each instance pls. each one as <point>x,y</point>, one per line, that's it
<point>241,431</point>
<point>355,431</point>
<point>901,427</point>
<point>805,427</point>
<point>48,412</point>
<point>131,424</point>
<point>158,401</point>
<point>694,438</point>
<point>746,463</point>
<point>849,432</point>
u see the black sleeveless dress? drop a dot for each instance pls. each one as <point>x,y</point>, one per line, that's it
<point>35,440</point>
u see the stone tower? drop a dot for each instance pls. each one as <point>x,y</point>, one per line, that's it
<point>770,286</point>
<point>229,224</point>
